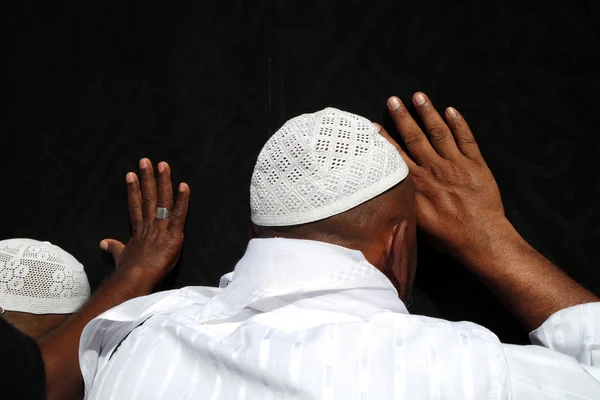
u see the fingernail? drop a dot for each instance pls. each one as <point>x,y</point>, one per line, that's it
<point>451,112</point>
<point>104,245</point>
<point>130,177</point>
<point>420,99</point>
<point>161,166</point>
<point>182,187</point>
<point>143,163</point>
<point>394,103</point>
<point>377,126</point>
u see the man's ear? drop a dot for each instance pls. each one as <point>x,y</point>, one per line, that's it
<point>394,267</point>
<point>395,243</point>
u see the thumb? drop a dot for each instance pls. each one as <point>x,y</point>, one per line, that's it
<point>112,246</point>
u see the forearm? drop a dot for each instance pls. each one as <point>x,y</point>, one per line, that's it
<point>529,285</point>
<point>459,206</point>
<point>60,348</point>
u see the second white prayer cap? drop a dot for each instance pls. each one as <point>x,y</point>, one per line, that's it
<point>319,165</point>
<point>40,278</point>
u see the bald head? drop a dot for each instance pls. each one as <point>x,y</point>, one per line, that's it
<point>383,229</point>
<point>330,176</point>
<point>356,228</point>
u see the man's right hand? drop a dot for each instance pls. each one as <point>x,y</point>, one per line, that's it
<point>155,244</point>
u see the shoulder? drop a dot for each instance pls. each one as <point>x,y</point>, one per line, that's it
<point>423,355</point>
<point>291,319</point>
<point>105,332</point>
<point>143,307</point>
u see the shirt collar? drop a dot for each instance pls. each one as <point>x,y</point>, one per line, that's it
<point>278,267</point>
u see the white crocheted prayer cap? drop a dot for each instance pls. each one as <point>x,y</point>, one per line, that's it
<point>319,165</point>
<point>40,278</point>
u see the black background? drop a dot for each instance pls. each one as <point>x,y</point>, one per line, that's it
<point>88,88</point>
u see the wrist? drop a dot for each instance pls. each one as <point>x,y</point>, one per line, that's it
<point>137,279</point>
<point>487,243</point>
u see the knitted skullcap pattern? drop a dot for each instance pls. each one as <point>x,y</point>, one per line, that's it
<point>40,278</point>
<point>319,165</point>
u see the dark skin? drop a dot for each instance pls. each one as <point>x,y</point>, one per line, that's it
<point>34,325</point>
<point>458,205</point>
<point>383,229</point>
<point>459,208</point>
<point>148,256</point>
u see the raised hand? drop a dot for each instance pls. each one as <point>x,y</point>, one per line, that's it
<point>152,251</point>
<point>155,244</point>
<point>458,201</point>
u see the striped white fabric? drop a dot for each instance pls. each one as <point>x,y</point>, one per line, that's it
<point>308,320</point>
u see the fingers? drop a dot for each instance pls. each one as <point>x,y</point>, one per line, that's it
<point>411,164</point>
<point>165,189</point>
<point>415,140</point>
<point>148,189</point>
<point>462,134</point>
<point>179,213</point>
<point>440,135</point>
<point>113,247</point>
<point>134,201</point>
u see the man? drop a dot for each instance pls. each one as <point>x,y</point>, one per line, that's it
<point>314,310</point>
<point>50,368</point>
<point>40,285</point>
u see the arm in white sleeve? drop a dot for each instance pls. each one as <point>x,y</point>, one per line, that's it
<point>564,362</point>
<point>574,331</point>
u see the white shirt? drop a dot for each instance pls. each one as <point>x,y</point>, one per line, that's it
<point>309,320</point>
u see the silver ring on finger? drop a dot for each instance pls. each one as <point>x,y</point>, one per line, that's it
<point>162,213</point>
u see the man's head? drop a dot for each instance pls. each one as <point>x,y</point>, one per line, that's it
<point>40,285</point>
<point>331,177</point>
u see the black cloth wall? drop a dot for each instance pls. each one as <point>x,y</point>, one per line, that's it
<point>88,88</point>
